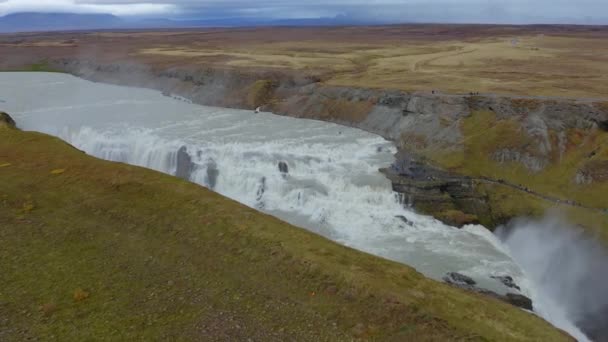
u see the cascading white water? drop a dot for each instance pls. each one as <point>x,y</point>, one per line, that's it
<point>317,175</point>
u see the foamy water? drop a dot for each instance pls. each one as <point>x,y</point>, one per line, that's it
<point>332,185</point>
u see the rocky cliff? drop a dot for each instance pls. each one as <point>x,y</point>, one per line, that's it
<point>463,158</point>
<point>6,121</point>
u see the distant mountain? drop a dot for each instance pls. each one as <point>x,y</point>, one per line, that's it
<point>253,22</point>
<point>29,22</point>
<point>20,22</point>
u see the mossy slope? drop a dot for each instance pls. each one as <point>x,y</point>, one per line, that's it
<point>93,250</point>
<point>571,153</point>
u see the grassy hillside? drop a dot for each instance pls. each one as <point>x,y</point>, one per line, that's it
<point>93,250</point>
<point>570,153</point>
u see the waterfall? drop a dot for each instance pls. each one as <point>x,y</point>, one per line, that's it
<point>316,175</point>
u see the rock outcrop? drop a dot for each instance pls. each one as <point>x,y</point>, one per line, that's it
<point>467,283</point>
<point>283,168</point>
<point>447,196</point>
<point>185,166</point>
<point>507,281</point>
<point>7,121</point>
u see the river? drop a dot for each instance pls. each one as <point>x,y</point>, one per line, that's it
<point>317,175</point>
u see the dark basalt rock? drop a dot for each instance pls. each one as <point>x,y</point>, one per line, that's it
<point>184,164</point>
<point>283,167</point>
<point>261,189</point>
<point>454,278</point>
<point>405,220</point>
<point>212,174</point>
<point>467,283</point>
<point>518,300</point>
<point>7,121</point>
<point>507,281</point>
<point>436,192</point>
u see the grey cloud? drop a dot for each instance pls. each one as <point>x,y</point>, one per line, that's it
<point>508,11</point>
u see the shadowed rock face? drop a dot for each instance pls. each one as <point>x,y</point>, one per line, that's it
<point>603,125</point>
<point>6,121</point>
<point>439,193</point>
<point>467,283</point>
<point>283,167</point>
<point>184,164</point>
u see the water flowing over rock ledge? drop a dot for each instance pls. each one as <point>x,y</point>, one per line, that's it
<point>427,128</point>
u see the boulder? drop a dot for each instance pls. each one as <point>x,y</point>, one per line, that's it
<point>283,167</point>
<point>405,220</point>
<point>458,279</point>
<point>7,121</point>
<point>518,300</point>
<point>184,164</point>
<point>467,283</point>
<point>507,281</point>
<point>212,174</point>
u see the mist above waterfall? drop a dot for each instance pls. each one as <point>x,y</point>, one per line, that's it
<point>568,267</point>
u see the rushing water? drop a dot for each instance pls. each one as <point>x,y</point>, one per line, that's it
<point>329,182</point>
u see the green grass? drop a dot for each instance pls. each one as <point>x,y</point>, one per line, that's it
<point>107,251</point>
<point>485,134</point>
<point>42,66</point>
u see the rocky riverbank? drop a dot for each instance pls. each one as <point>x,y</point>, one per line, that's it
<point>468,158</point>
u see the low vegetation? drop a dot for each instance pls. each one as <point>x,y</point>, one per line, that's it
<point>541,60</point>
<point>260,93</point>
<point>584,152</point>
<point>107,251</point>
<point>41,66</point>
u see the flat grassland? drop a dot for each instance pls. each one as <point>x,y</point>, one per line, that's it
<point>564,61</point>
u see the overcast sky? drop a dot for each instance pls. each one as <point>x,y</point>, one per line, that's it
<point>499,11</point>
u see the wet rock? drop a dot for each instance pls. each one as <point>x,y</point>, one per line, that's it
<point>283,167</point>
<point>518,300</point>
<point>261,189</point>
<point>467,283</point>
<point>507,281</point>
<point>212,174</point>
<point>184,164</point>
<point>455,278</point>
<point>405,220</point>
<point>7,121</point>
<point>447,196</point>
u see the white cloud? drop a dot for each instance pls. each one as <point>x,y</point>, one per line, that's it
<point>75,6</point>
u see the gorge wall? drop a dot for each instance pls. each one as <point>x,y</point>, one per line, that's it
<point>463,158</point>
